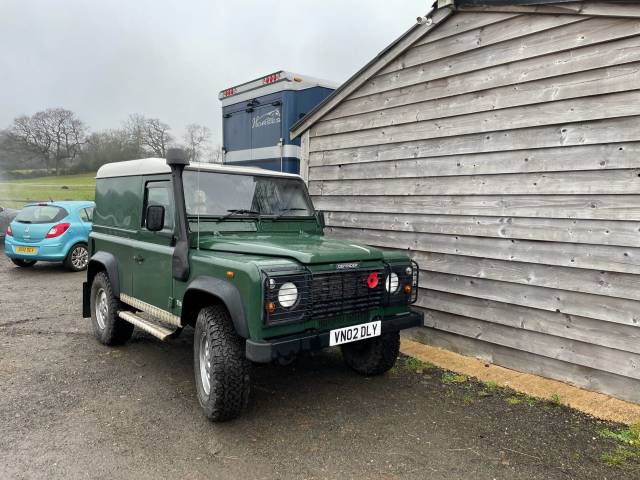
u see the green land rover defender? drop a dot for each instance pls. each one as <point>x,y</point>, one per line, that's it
<point>239,255</point>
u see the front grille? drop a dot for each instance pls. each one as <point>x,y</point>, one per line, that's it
<point>345,292</point>
<point>326,295</point>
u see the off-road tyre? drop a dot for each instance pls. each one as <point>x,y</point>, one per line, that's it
<point>78,258</point>
<point>108,328</point>
<point>229,369</point>
<point>23,263</point>
<point>374,356</point>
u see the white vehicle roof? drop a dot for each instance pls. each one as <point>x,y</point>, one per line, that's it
<point>152,166</point>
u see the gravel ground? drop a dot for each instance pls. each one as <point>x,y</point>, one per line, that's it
<point>72,408</point>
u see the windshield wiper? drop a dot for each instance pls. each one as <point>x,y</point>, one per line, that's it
<point>240,211</point>
<point>286,210</point>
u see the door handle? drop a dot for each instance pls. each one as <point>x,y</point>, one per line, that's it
<point>138,258</point>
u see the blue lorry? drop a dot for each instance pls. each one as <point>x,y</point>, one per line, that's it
<point>257,116</point>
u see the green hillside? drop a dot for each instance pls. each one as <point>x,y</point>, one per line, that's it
<point>15,193</point>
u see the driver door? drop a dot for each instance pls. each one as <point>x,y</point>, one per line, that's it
<point>153,252</point>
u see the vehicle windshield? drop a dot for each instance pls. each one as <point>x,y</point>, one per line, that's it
<point>220,194</point>
<point>41,214</point>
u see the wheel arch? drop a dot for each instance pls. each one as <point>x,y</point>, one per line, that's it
<point>104,261</point>
<point>203,291</point>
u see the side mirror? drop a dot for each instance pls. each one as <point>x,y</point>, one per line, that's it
<point>321,220</point>
<point>155,218</point>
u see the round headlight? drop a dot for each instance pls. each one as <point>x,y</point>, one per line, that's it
<point>288,294</point>
<point>392,283</point>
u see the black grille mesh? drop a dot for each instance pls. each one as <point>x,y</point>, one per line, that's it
<point>327,294</point>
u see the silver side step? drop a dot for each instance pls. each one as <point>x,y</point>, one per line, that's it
<point>154,329</point>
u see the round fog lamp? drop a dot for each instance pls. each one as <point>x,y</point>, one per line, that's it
<point>288,294</point>
<point>392,283</point>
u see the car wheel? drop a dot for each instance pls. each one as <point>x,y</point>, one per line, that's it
<point>221,369</point>
<point>374,356</point>
<point>23,263</point>
<point>77,258</point>
<point>108,328</point>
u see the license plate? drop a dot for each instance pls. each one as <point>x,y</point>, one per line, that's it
<point>354,333</point>
<point>27,250</point>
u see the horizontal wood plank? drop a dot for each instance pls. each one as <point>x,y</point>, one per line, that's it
<point>599,132</point>
<point>607,284</point>
<point>576,35</point>
<point>552,66</point>
<point>607,309</point>
<point>585,377</point>
<point>619,78</point>
<point>603,207</point>
<point>610,360</point>
<point>602,9</point>
<point>571,255</point>
<point>550,183</point>
<point>587,330</point>
<point>482,37</point>
<point>588,157</point>
<point>616,105</point>
<point>596,232</point>
<point>463,22</point>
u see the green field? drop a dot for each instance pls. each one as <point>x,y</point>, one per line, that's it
<point>15,193</point>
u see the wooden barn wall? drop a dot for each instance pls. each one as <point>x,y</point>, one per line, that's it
<point>503,151</point>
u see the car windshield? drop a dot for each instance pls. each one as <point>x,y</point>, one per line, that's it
<point>220,194</point>
<point>41,214</point>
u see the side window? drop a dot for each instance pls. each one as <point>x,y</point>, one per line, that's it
<point>86,214</point>
<point>159,193</point>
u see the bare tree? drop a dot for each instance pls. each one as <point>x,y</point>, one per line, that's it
<point>149,134</point>
<point>56,134</point>
<point>196,139</point>
<point>214,154</point>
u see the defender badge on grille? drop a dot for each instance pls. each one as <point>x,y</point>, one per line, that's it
<point>344,266</point>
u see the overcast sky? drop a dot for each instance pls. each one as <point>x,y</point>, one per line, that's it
<point>169,59</point>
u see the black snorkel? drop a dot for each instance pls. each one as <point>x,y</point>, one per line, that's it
<point>177,160</point>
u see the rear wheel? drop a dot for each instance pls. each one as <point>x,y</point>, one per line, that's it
<point>374,356</point>
<point>77,258</point>
<point>221,369</point>
<point>23,263</point>
<point>108,328</point>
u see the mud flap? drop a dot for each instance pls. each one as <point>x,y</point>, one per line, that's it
<point>86,300</point>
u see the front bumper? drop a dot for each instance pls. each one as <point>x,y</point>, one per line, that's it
<point>265,351</point>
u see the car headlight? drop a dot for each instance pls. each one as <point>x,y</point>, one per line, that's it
<point>288,294</point>
<point>392,282</point>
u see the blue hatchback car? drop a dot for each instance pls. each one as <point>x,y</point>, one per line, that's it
<point>51,232</point>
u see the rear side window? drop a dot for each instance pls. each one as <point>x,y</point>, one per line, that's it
<point>159,193</point>
<point>86,214</point>
<point>41,214</point>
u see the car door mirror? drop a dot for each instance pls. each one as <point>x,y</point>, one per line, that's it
<point>155,218</point>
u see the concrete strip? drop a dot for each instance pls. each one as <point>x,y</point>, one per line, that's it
<point>595,404</point>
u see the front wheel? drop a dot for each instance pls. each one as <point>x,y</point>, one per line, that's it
<point>23,263</point>
<point>77,258</point>
<point>220,366</point>
<point>374,356</point>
